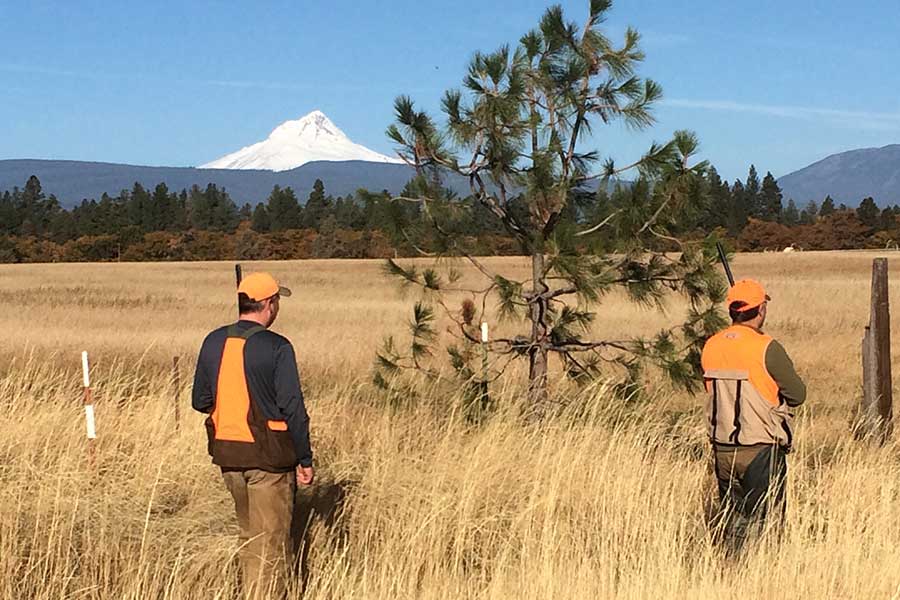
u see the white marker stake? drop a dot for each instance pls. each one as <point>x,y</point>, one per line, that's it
<point>85,370</point>
<point>88,405</point>
<point>89,416</point>
<point>485,400</point>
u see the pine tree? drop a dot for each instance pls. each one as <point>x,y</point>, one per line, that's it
<point>740,211</point>
<point>810,213</point>
<point>224,212</point>
<point>791,216</point>
<point>373,209</point>
<point>182,212</point>
<point>260,221</point>
<point>717,215</point>
<point>201,209</point>
<point>106,216</point>
<point>10,217</point>
<point>887,221</point>
<point>33,194</point>
<point>283,209</point>
<point>63,227</point>
<point>770,197</point>
<point>36,209</point>
<point>752,194</point>
<point>317,206</point>
<point>518,134</point>
<point>138,203</point>
<point>348,213</point>
<point>868,213</point>
<point>160,213</point>
<point>87,218</point>
<point>827,207</point>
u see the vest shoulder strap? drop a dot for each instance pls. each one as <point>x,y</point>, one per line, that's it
<point>236,332</point>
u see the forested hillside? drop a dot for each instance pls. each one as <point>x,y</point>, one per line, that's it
<point>205,223</point>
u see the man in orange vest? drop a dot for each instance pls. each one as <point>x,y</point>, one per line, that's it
<point>258,429</point>
<point>753,386</point>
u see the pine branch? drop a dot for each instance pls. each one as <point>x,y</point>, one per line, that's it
<point>599,225</point>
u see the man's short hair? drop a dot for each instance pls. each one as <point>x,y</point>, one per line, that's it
<point>247,306</point>
<point>742,316</point>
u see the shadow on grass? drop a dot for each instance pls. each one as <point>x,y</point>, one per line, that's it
<point>323,503</point>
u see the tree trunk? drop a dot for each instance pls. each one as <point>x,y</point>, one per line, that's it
<point>537,354</point>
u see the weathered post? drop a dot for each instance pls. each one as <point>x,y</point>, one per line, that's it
<point>877,405</point>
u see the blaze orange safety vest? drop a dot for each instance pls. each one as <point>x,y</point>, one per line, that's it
<point>240,436</point>
<point>745,407</point>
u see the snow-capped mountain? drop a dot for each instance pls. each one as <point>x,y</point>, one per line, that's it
<point>295,143</point>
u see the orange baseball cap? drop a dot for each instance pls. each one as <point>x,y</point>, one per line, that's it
<point>261,286</point>
<point>748,291</point>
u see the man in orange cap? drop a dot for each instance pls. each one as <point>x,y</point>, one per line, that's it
<point>258,429</point>
<point>752,385</point>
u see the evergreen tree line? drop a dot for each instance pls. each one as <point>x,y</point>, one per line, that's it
<point>753,215</point>
<point>28,212</point>
<point>205,223</point>
<point>733,206</point>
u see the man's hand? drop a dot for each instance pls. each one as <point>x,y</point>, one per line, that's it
<point>305,475</point>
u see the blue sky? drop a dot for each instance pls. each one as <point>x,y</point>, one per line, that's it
<point>777,83</point>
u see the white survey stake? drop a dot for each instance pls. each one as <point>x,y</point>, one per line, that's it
<point>85,370</point>
<point>88,404</point>
<point>89,419</point>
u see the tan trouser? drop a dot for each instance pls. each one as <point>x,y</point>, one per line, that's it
<point>264,503</point>
<point>751,482</point>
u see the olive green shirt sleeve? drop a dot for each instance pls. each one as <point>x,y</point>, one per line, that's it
<point>781,368</point>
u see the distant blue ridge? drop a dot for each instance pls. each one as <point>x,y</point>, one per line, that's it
<point>72,181</point>
<point>848,177</point>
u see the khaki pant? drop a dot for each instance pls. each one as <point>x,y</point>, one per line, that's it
<point>264,503</point>
<point>751,482</point>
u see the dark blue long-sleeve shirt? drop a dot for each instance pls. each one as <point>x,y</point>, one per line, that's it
<point>270,367</point>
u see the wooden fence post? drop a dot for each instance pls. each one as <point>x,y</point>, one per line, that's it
<point>877,405</point>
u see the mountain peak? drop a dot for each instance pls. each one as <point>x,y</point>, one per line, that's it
<point>313,126</point>
<point>294,143</point>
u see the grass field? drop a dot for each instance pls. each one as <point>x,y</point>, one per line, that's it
<point>608,505</point>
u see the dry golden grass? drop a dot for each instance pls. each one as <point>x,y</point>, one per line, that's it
<point>605,501</point>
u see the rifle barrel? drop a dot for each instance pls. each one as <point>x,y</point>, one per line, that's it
<point>238,276</point>
<point>724,259</point>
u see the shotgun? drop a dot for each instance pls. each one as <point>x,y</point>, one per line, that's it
<point>724,260</point>
<point>238,276</point>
